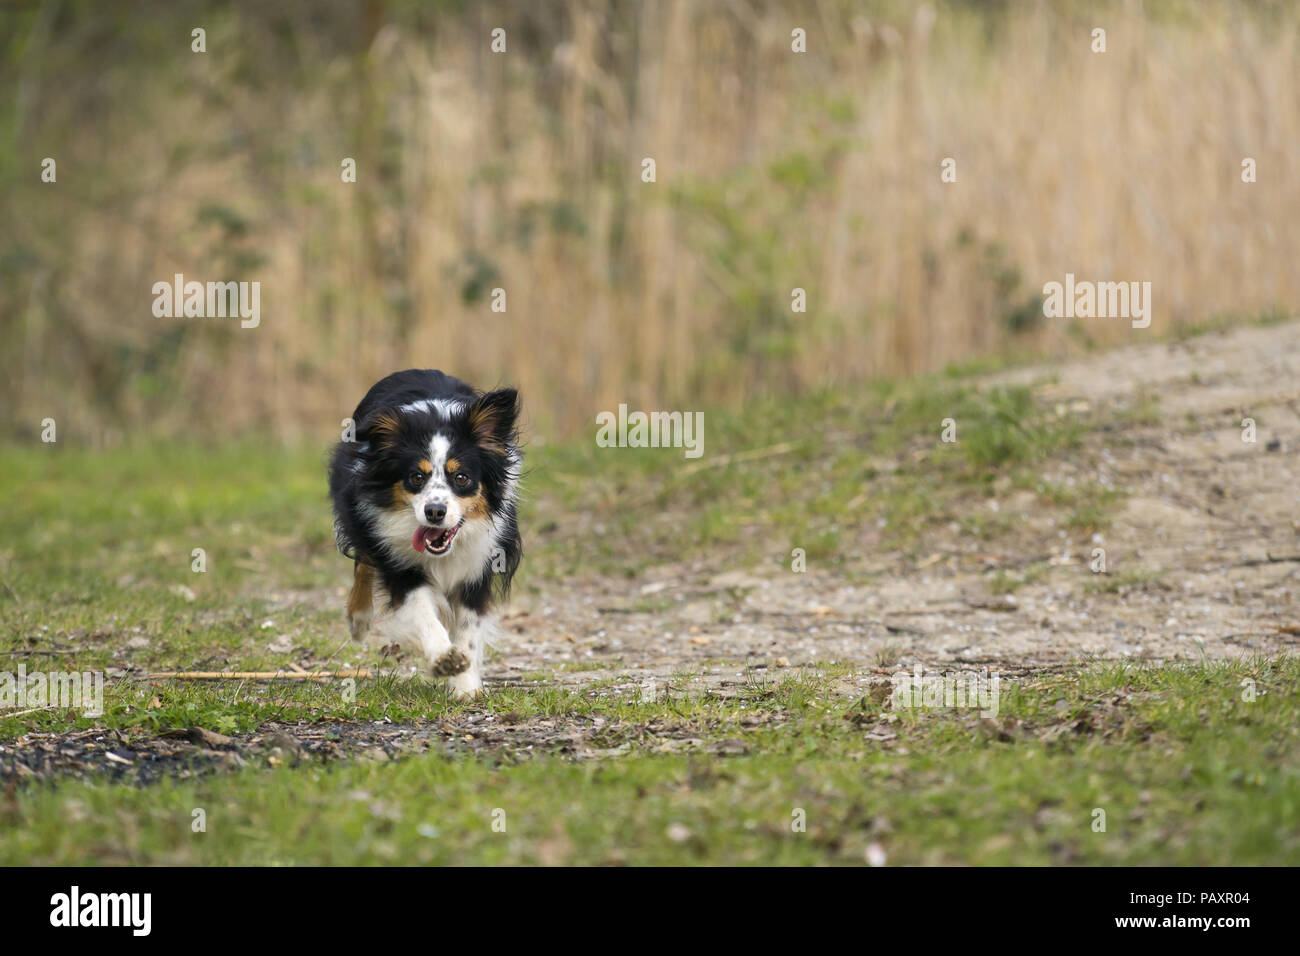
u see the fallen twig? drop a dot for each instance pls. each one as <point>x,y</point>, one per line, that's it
<point>902,629</point>
<point>750,455</point>
<point>257,675</point>
<point>4,716</point>
<point>1270,559</point>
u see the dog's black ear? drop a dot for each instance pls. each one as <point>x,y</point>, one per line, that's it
<point>383,428</point>
<point>492,420</point>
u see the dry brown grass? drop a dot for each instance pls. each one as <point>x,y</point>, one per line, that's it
<point>775,170</point>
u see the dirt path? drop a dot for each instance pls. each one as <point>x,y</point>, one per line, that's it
<point>1203,555</point>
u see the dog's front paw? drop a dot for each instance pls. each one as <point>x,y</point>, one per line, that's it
<point>453,662</point>
<point>359,624</point>
<point>466,684</point>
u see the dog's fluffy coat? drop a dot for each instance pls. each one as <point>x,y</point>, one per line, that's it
<point>424,503</point>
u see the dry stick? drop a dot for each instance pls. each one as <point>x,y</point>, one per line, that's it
<point>255,675</point>
<point>22,712</point>
<point>750,455</point>
<point>1270,559</point>
<point>265,675</point>
<point>316,675</point>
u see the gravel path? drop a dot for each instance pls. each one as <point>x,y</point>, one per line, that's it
<point>1203,555</point>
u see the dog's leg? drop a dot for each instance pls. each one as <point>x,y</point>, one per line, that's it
<point>361,602</point>
<point>470,635</point>
<point>417,622</point>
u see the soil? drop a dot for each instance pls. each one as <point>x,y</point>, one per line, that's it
<point>1202,561</point>
<point>1202,556</point>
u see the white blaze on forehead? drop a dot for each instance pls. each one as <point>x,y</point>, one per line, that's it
<point>436,490</point>
<point>439,446</point>
<point>447,407</point>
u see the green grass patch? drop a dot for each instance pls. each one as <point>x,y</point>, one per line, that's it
<point>1139,578</point>
<point>1191,765</point>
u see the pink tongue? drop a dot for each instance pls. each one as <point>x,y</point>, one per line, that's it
<point>418,541</point>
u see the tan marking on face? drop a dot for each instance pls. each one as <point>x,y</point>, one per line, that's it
<point>453,466</point>
<point>425,467</point>
<point>401,497</point>
<point>361,600</point>
<point>475,505</point>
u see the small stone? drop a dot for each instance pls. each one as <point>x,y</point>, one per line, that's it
<point>678,833</point>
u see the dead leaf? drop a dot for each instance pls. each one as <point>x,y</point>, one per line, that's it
<point>208,738</point>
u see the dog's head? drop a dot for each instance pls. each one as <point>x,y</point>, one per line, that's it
<point>442,469</point>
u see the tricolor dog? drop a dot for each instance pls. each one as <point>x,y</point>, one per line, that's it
<point>424,504</point>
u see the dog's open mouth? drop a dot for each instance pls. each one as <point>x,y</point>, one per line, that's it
<point>434,540</point>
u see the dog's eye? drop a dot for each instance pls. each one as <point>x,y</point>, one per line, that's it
<point>417,478</point>
<point>461,479</point>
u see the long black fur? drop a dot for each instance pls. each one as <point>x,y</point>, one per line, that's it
<point>366,470</point>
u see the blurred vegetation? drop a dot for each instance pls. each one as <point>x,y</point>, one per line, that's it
<point>775,171</point>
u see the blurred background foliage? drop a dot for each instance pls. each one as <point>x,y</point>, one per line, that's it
<point>775,170</point>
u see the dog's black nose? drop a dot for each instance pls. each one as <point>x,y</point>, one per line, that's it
<point>434,513</point>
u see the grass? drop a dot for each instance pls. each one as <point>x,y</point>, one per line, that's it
<point>1008,582</point>
<point>1186,771</point>
<point>97,572</point>
<point>843,473</point>
<point>112,583</point>
<point>1121,582</point>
